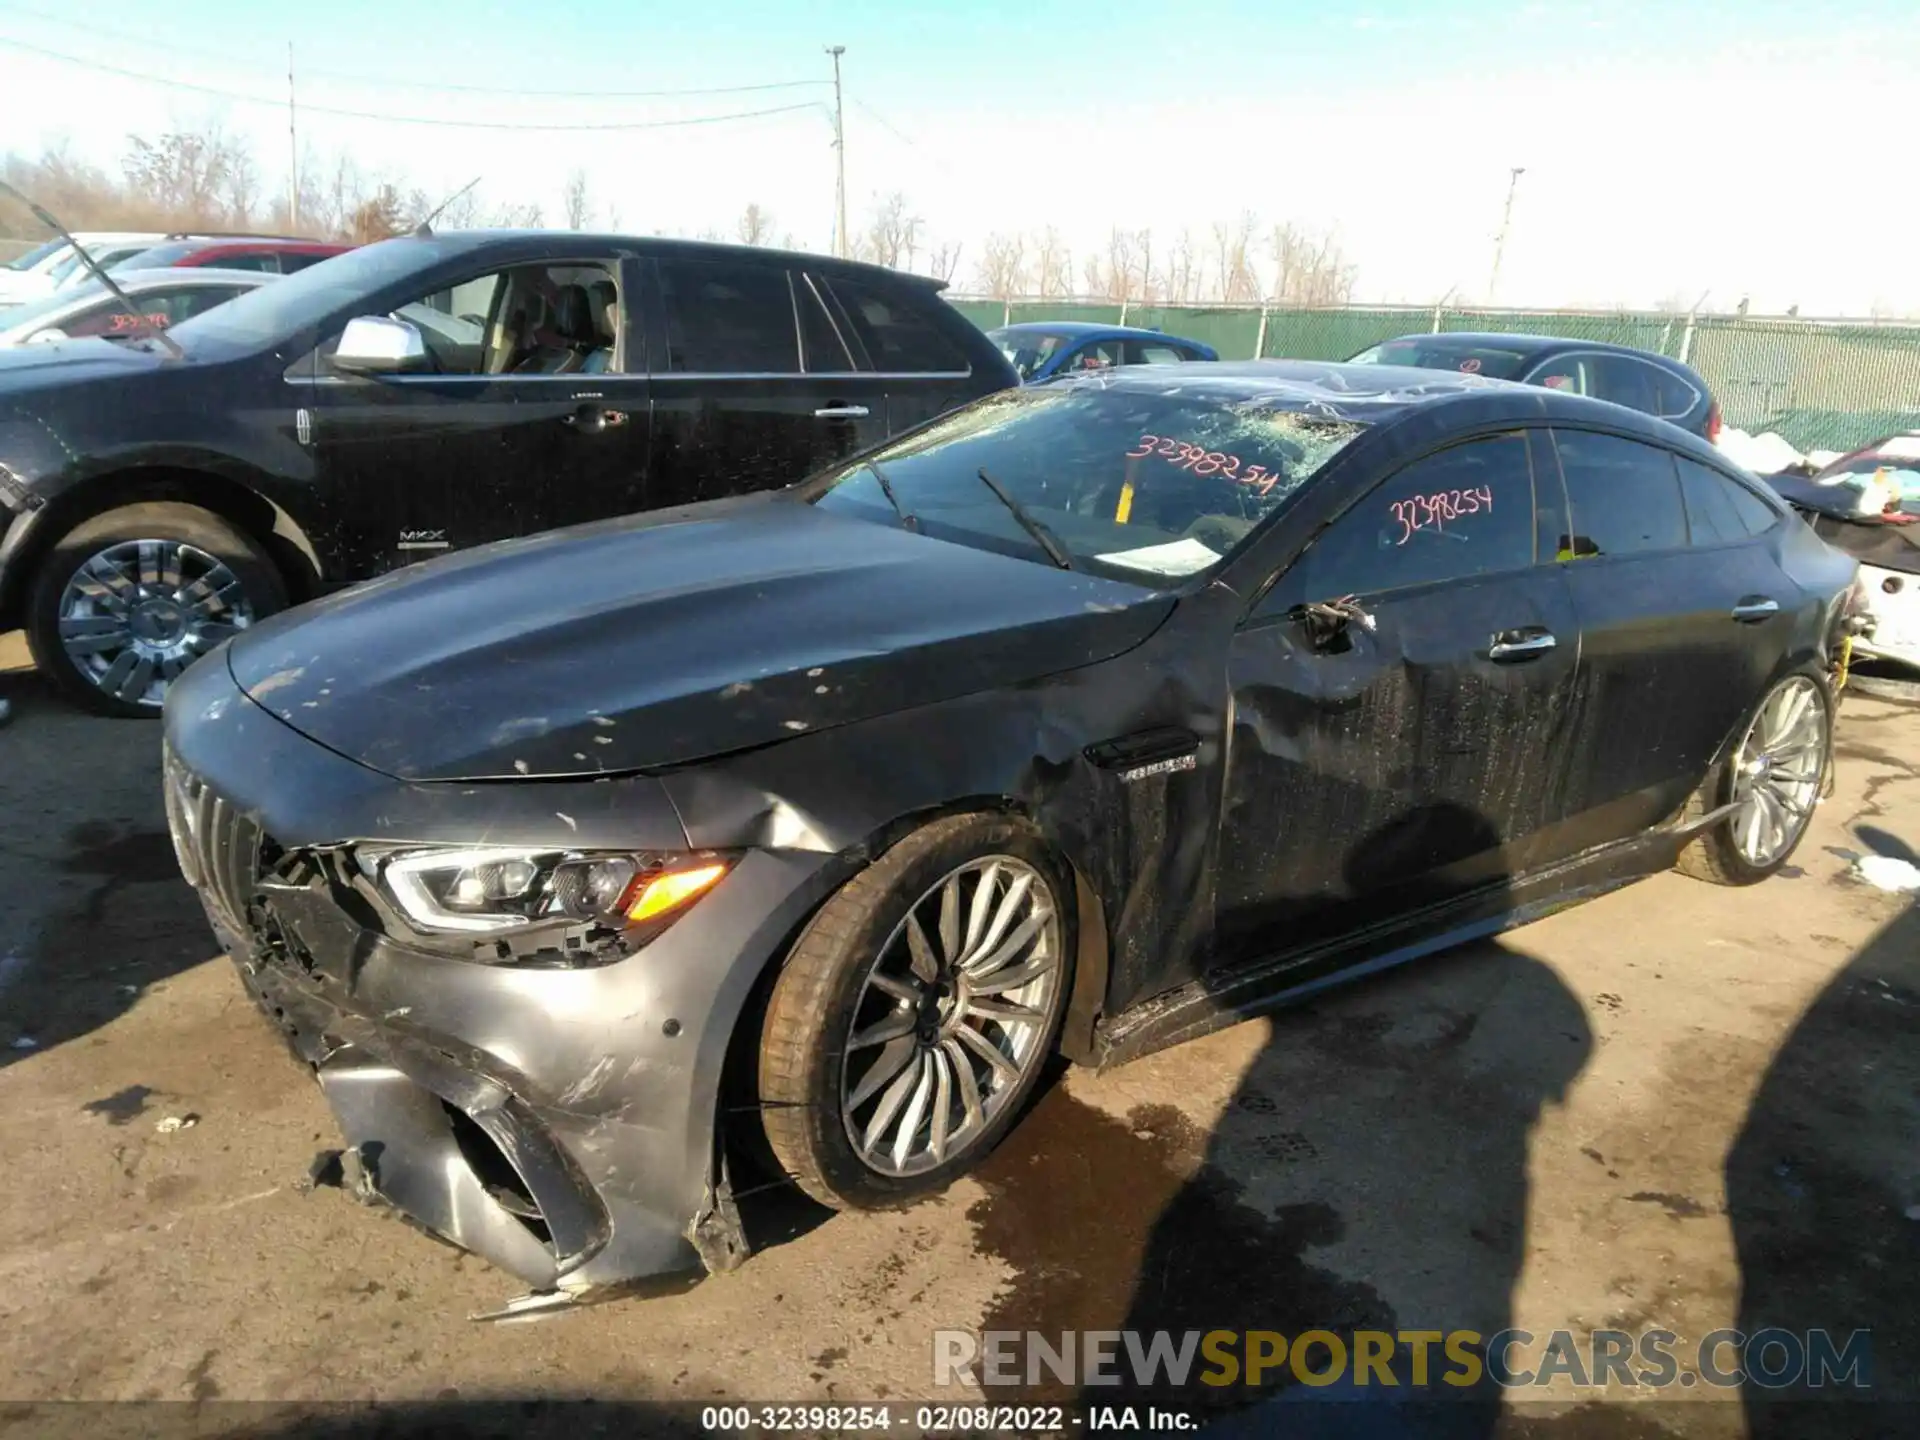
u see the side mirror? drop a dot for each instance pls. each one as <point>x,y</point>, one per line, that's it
<point>379,345</point>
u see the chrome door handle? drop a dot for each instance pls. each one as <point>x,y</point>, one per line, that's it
<point>842,412</point>
<point>1755,607</point>
<point>1524,648</point>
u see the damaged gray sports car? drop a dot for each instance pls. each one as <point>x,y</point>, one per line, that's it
<point>1082,720</point>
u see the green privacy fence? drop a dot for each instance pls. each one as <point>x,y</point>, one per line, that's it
<point>1819,384</point>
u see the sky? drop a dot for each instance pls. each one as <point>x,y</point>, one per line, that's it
<point>1685,152</point>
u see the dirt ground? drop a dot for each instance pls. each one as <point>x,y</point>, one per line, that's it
<point>1676,1106</point>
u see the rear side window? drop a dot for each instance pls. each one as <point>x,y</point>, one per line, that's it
<point>262,260</point>
<point>1145,352</point>
<point>1625,496</point>
<point>898,333</point>
<point>1624,381</point>
<point>1463,511</point>
<point>824,352</point>
<point>1720,511</point>
<point>292,261</point>
<point>728,319</point>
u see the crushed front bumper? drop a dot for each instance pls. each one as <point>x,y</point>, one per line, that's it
<point>560,1122</point>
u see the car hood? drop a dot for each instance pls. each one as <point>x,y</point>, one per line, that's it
<point>25,368</point>
<point>661,639</point>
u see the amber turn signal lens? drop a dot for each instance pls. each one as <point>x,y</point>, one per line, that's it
<point>672,889</point>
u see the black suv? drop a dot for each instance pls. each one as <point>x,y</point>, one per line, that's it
<point>1637,379</point>
<point>421,395</point>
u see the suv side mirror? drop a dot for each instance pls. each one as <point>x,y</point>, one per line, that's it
<point>379,345</point>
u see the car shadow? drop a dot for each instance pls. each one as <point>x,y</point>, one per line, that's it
<point>1825,1214</point>
<point>97,910</point>
<point>1369,1173</point>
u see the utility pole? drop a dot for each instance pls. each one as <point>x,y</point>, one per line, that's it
<point>1500,240</point>
<point>840,150</point>
<point>293,155</point>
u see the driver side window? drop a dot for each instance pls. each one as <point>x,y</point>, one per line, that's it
<point>1463,511</point>
<point>554,319</point>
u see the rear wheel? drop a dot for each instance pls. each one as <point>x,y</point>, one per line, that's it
<point>125,601</point>
<point>1775,775</point>
<point>913,1019</point>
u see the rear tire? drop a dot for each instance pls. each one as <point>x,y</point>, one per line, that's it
<point>1782,755</point>
<point>871,1094</point>
<point>125,601</point>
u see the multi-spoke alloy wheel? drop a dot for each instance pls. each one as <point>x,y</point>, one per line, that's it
<point>954,1016</point>
<point>1777,773</point>
<point>125,601</point>
<point>136,614</point>
<point>916,1014</point>
<point>1770,783</point>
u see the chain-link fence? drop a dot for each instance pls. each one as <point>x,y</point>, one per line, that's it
<point>1819,384</point>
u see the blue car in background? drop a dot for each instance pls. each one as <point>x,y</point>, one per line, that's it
<point>1041,349</point>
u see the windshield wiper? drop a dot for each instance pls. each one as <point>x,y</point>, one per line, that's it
<point>1044,537</point>
<point>172,345</point>
<point>907,522</point>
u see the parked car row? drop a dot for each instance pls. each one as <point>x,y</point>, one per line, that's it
<point>55,265</point>
<point>860,725</point>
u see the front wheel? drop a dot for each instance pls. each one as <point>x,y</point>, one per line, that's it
<point>127,600</point>
<point>914,1017</point>
<point>1774,777</point>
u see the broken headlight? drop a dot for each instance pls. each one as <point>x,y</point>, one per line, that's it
<point>484,890</point>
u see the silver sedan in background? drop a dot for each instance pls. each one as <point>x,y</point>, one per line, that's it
<point>162,299</point>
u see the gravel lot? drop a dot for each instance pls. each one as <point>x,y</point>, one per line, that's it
<point>1678,1105</point>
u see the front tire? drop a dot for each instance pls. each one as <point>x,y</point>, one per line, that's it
<point>1774,775</point>
<point>912,1020</point>
<point>124,602</point>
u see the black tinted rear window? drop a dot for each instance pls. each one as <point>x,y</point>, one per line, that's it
<point>898,329</point>
<point>1625,496</point>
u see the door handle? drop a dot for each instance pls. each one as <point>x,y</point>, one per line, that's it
<point>1755,607</point>
<point>842,412</point>
<point>591,419</point>
<point>1512,645</point>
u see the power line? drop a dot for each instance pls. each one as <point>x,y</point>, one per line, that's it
<point>391,119</point>
<point>394,82</point>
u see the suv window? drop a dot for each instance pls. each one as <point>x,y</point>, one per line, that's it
<point>1719,510</point>
<point>1625,496</point>
<point>1466,510</point>
<point>294,261</point>
<point>899,337</point>
<point>263,260</point>
<point>157,310</point>
<point>1148,352</point>
<point>528,320</point>
<point>825,354</point>
<point>726,319</point>
<point>1566,373</point>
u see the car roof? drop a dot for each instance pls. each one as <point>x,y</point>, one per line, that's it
<point>1377,395</point>
<point>1082,328</point>
<point>1530,344</point>
<point>535,241</point>
<point>187,275</point>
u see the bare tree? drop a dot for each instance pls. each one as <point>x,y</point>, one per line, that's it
<point>1182,273</point>
<point>893,235</point>
<point>521,215</point>
<point>945,261</point>
<point>183,174</point>
<point>756,225</point>
<point>462,212</point>
<point>575,201</point>
<point>1003,266</point>
<point>1309,269</point>
<point>1232,259</point>
<point>1052,264</point>
<point>380,216</point>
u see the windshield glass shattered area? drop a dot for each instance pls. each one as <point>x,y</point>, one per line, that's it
<point>1138,484</point>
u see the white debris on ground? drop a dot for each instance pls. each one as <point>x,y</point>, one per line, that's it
<point>1884,872</point>
<point>175,1123</point>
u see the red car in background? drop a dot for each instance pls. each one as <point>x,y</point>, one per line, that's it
<point>274,254</point>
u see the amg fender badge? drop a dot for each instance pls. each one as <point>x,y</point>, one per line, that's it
<point>1159,767</point>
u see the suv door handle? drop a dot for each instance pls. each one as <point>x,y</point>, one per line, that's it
<point>842,412</point>
<point>1512,645</point>
<point>1755,607</point>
